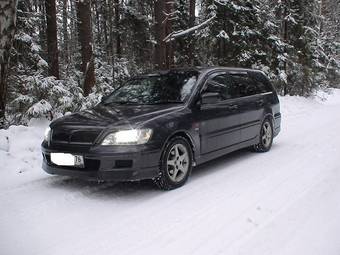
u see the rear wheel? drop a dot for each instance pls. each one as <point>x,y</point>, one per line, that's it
<point>266,137</point>
<point>175,165</point>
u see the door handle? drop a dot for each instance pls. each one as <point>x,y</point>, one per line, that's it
<point>232,107</point>
<point>260,102</point>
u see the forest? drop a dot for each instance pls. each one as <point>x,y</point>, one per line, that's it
<point>60,56</point>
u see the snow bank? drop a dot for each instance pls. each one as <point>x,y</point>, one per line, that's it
<point>20,153</point>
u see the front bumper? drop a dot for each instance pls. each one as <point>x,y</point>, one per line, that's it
<point>121,163</point>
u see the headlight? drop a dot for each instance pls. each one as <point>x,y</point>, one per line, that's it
<point>128,137</point>
<point>47,134</point>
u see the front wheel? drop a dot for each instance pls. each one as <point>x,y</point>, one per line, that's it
<point>175,165</point>
<point>266,137</point>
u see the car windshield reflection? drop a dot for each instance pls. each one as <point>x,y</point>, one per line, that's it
<point>169,88</point>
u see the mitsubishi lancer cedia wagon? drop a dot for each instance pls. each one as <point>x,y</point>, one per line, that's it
<point>158,126</point>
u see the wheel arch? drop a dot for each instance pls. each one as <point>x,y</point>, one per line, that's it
<point>184,134</point>
<point>269,116</point>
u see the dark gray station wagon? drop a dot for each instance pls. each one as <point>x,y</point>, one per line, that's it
<point>159,125</point>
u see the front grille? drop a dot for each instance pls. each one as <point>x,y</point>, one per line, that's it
<point>74,136</point>
<point>60,136</point>
<point>84,136</point>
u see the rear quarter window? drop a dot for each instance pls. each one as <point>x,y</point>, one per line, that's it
<point>262,82</point>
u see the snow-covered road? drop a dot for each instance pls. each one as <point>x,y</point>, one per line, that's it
<point>286,201</point>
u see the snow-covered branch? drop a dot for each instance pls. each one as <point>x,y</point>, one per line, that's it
<point>172,36</point>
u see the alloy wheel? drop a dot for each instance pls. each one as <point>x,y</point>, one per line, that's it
<point>266,134</point>
<point>178,163</point>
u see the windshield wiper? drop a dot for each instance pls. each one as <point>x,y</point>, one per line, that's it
<point>120,102</point>
<point>151,103</point>
<point>169,102</point>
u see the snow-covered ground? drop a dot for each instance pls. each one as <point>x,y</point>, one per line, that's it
<point>286,201</point>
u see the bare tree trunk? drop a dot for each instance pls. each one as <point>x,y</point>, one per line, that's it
<point>144,53</point>
<point>117,22</point>
<point>42,26</point>
<point>322,13</point>
<point>7,30</point>
<point>52,40</point>
<point>97,22</point>
<point>104,12</point>
<point>111,35</point>
<point>36,5</point>
<point>192,18</point>
<point>168,30</point>
<point>192,10</point>
<point>160,48</point>
<point>65,33</point>
<point>85,39</point>
<point>73,33</point>
<point>285,39</point>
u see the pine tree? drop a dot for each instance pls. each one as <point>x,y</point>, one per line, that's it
<point>136,26</point>
<point>239,35</point>
<point>330,39</point>
<point>296,42</point>
<point>184,46</point>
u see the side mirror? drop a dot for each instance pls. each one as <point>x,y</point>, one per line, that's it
<point>210,98</point>
<point>104,98</point>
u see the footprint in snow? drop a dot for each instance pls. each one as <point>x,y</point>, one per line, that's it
<point>252,222</point>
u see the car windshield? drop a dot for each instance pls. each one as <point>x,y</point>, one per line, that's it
<point>170,87</point>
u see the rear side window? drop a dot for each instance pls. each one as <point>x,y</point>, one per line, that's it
<point>245,85</point>
<point>262,83</point>
<point>223,85</point>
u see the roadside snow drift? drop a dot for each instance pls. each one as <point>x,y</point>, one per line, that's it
<point>286,201</point>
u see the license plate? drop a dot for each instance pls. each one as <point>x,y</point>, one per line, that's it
<point>67,159</point>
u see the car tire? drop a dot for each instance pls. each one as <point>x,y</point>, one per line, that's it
<point>175,164</point>
<point>266,137</point>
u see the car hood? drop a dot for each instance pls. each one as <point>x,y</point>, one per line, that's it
<point>116,115</point>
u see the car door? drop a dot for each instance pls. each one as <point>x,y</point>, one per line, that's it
<point>251,105</point>
<point>219,122</point>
